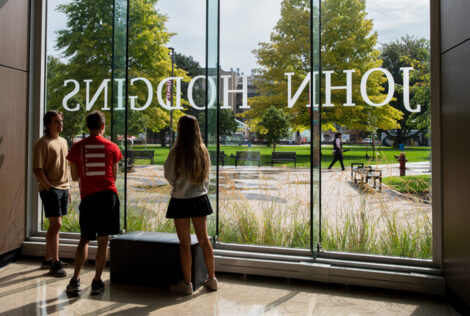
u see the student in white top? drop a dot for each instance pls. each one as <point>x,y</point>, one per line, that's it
<point>187,170</point>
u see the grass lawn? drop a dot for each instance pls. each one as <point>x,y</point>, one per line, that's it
<point>356,153</point>
<point>410,184</point>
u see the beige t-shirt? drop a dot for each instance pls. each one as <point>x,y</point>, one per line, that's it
<point>50,155</point>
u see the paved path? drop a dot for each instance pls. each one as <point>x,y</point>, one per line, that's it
<point>286,187</point>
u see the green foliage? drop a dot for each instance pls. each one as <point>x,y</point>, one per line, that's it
<point>227,123</point>
<point>279,224</point>
<point>74,122</point>
<point>274,125</point>
<point>347,43</point>
<point>360,233</point>
<point>86,47</point>
<point>405,52</point>
<point>420,184</point>
<point>193,69</point>
<point>385,155</point>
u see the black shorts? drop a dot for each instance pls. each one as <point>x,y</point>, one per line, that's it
<point>99,215</point>
<point>55,202</point>
<point>192,207</point>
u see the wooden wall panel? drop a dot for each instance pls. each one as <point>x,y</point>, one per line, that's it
<point>14,30</point>
<point>13,105</point>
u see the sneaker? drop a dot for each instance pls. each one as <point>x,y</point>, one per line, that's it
<point>182,288</point>
<point>211,284</point>
<point>97,287</point>
<point>57,270</point>
<point>47,264</point>
<point>73,287</point>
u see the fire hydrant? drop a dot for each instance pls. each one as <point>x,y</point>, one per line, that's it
<point>402,160</point>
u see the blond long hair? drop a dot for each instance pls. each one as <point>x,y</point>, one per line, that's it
<point>191,155</point>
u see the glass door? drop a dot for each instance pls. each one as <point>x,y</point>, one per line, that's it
<point>119,96</point>
<point>268,143</point>
<point>315,121</point>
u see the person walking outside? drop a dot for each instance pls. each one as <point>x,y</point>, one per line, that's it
<point>187,170</point>
<point>94,162</point>
<point>50,169</point>
<point>337,151</point>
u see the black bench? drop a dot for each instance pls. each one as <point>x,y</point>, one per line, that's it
<point>142,154</point>
<point>366,173</point>
<point>283,156</point>
<point>248,156</point>
<point>153,258</point>
<point>222,156</point>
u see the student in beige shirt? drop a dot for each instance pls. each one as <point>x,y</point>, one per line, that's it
<point>50,169</point>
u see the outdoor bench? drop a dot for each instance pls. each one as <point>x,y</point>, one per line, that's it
<point>153,258</point>
<point>142,154</point>
<point>365,173</point>
<point>248,156</point>
<point>222,156</point>
<point>283,156</point>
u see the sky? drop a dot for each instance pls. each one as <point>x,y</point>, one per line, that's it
<point>245,23</point>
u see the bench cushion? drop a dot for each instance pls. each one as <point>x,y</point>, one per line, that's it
<point>152,258</point>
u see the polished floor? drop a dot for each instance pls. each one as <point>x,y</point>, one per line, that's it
<point>25,289</point>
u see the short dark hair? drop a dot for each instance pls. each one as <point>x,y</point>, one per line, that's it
<point>48,119</point>
<point>337,135</point>
<point>95,120</point>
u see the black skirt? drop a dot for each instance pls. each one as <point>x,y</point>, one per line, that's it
<point>192,207</point>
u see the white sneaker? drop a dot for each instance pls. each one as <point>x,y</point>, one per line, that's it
<point>211,284</point>
<point>182,288</point>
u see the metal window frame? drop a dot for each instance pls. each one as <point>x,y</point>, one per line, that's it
<point>337,267</point>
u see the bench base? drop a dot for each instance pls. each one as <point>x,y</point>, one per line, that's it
<point>152,258</point>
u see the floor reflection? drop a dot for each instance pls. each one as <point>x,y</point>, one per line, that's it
<point>27,290</point>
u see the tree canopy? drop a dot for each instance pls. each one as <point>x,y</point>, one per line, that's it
<point>86,53</point>
<point>413,52</point>
<point>347,42</point>
<point>274,125</point>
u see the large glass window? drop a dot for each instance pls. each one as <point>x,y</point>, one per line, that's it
<point>80,69</point>
<point>271,94</point>
<point>264,193</point>
<point>376,92</point>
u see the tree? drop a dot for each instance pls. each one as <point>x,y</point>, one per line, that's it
<point>74,122</point>
<point>227,123</point>
<point>86,46</point>
<point>405,52</point>
<point>275,125</point>
<point>347,43</point>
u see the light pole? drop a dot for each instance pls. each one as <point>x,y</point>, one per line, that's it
<point>171,102</point>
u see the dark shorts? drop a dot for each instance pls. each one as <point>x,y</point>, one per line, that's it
<point>55,202</point>
<point>99,215</point>
<point>193,207</point>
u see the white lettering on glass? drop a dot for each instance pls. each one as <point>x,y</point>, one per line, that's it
<point>120,98</point>
<point>244,91</point>
<point>103,87</point>
<point>291,99</point>
<point>406,90</point>
<point>70,95</point>
<point>391,86</point>
<point>133,98</point>
<point>190,92</point>
<point>348,88</point>
<point>167,104</point>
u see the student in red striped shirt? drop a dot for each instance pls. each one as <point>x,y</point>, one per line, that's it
<point>94,163</point>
